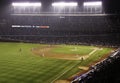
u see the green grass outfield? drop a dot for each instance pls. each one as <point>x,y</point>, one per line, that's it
<point>25,67</point>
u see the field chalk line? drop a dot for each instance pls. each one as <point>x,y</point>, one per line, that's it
<point>93,51</point>
<point>63,73</point>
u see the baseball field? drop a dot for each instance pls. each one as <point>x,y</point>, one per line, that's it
<point>44,63</point>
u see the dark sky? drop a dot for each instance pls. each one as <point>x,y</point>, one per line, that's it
<point>110,6</point>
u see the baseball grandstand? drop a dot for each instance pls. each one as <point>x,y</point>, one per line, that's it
<point>59,41</point>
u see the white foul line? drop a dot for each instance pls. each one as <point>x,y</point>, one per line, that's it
<point>63,73</point>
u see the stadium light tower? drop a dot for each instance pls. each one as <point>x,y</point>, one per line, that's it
<point>26,4</point>
<point>97,3</point>
<point>26,7</point>
<point>93,7</point>
<point>64,4</point>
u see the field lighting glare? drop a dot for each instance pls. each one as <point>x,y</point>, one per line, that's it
<point>26,4</point>
<point>99,3</point>
<point>63,4</point>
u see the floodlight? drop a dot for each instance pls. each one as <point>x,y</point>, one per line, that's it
<point>26,4</point>
<point>98,3</point>
<point>63,4</point>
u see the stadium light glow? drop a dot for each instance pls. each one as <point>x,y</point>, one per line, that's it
<point>63,4</point>
<point>25,4</point>
<point>98,3</point>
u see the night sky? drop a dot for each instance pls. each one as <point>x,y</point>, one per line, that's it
<point>110,6</point>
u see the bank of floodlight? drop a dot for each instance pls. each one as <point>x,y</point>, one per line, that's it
<point>97,3</point>
<point>26,4</point>
<point>64,4</point>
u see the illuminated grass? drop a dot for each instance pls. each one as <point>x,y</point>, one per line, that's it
<point>24,67</point>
